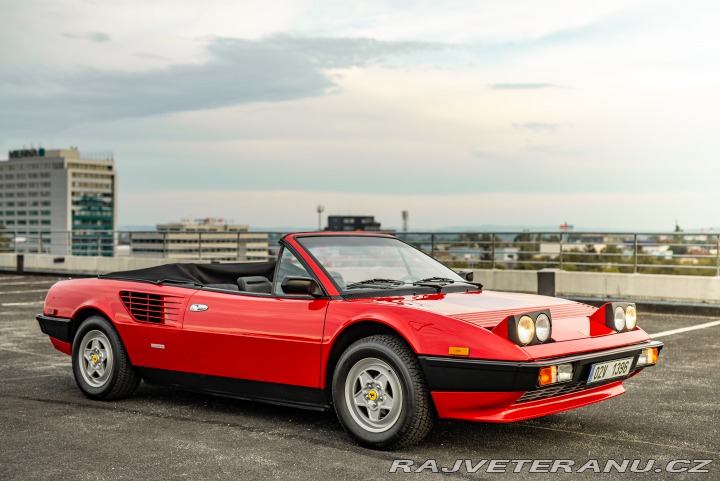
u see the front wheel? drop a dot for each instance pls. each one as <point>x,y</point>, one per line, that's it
<point>100,363</point>
<point>380,395</point>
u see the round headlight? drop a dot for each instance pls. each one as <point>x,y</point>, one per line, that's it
<point>619,320</point>
<point>630,318</point>
<point>542,327</point>
<point>525,330</point>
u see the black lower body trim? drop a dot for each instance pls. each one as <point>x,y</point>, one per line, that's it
<point>56,327</point>
<point>456,374</point>
<point>269,392</point>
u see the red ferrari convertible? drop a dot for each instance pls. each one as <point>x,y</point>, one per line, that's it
<point>361,323</point>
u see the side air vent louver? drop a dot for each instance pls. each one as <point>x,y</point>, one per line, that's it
<point>146,307</point>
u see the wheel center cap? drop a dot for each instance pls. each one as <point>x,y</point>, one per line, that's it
<point>372,395</point>
<point>94,358</point>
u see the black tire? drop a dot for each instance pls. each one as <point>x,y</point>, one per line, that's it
<point>391,357</point>
<point>109,375</point>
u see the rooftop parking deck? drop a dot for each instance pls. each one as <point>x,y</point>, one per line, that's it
<point>51,431</point>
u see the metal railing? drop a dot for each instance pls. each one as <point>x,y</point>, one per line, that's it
<point>642,253</point>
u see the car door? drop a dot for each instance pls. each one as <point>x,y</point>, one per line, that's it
<point>260,337</point>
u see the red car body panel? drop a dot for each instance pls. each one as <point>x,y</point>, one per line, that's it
<point>68,298</point>
<point>251,337</point>
<point>288,341</point>
<point>64,347</point>
<point>500,407</point>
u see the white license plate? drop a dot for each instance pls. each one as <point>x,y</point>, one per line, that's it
<point>609,370</point>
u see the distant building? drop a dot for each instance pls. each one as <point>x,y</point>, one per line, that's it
<point>507,254</point>
<point>53,199</point>
<point>208,239</point>
<point>352,223</point>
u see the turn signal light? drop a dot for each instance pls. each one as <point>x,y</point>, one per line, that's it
<point>648,356</point>
<point>552,374</point>
<point>652,355</point>
<point>548,375</point>
<point>459,351</point>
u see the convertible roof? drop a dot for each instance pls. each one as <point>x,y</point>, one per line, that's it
<point>196,273</point>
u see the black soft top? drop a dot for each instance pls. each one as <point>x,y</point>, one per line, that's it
<point>196,273</point>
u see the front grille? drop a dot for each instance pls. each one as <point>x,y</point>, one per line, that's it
<point>561,390</point>
<point>146,307</point>
<point>552,391</point>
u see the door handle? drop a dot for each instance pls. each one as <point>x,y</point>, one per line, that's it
<point>198,308</point>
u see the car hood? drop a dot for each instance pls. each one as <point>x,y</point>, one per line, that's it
<point>487,309</point>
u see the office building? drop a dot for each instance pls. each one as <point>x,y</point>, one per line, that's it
<point>209,239</point>
<point>352,223</point>
<point>59,201</point>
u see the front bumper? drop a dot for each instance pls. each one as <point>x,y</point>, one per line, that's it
<point>501,391</point>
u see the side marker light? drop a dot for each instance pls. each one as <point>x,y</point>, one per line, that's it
<point>459,351</point>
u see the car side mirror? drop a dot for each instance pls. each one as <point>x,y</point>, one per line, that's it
<point>466,274</point>
<point>302,286</point>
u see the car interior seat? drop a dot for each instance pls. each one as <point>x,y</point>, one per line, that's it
<point>257,284</point>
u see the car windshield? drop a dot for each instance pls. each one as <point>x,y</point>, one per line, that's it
<point>364,262</point>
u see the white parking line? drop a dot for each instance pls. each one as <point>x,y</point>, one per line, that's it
<point>32,303</point>
<point>30,283</point>
<point>685,329</point>
<point>23,292</point>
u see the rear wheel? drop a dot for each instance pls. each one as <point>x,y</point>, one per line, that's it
<point>380,395</point>
<point>100,363</point>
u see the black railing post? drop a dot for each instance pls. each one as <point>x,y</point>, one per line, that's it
<point>546,282</point>
<point>492,251</point>
<point>561,251</point>
<point>635,253</point>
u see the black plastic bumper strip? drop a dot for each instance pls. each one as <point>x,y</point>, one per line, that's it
<point>56,327</point>
<point>455,374</point>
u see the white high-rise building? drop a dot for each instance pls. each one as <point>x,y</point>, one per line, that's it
<point>59,201</point>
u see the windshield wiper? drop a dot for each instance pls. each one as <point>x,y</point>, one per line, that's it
<point>434,282</point>
<point>374,281</point>
<point>435,279</point>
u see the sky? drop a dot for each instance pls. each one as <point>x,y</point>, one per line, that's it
<point>513,112</point>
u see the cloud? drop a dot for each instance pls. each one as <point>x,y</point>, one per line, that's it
<point>97,37</point>
<point>150,56</point>
<point>237,72</point>
<point>540,127</point>
<point>524,86</point>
